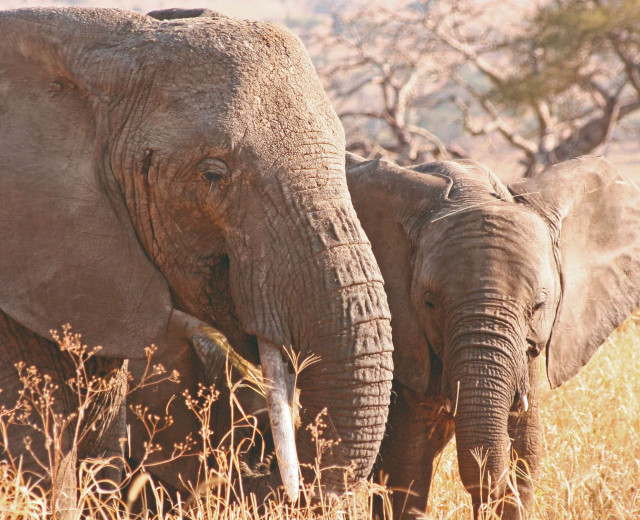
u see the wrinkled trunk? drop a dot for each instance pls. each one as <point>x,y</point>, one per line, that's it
<point>319,290</point>
<point>352,381</point>
<point>346,324</point>
<point>486,373</point>
<point>481,430</point>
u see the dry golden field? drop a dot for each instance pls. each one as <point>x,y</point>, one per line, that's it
<point>590,467</point>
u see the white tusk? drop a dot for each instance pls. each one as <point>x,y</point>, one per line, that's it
<point>184,324</point>
<point>525,403</point>
<point>291,384</point>
<point>278,399</point>
<point>293,396</point>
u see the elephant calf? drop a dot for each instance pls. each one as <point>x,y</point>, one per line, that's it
<point>481,277</point>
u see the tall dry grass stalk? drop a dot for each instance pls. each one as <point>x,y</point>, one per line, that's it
<point>590,467</point>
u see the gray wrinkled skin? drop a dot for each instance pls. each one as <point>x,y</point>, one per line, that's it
<point>480,278</point>
<point>150,165</point>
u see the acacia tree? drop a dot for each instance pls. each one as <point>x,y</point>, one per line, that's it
<point>572,77</point>
<point>552,82</point>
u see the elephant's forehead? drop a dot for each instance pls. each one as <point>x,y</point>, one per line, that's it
<point>260,72</point>
<point>499,219</point>
<point>501,234</point>
<point>240,47</point>
<point>499,250</point>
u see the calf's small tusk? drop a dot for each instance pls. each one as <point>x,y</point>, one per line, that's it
<point>448,406</point>
<point>277,393</point>
<point>525,403</point>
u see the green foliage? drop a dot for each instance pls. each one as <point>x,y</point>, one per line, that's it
<point>561,43</point>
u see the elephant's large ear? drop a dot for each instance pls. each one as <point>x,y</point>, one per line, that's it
<point>385,196</point>
<point>69,253</point>
<point>594,214</point>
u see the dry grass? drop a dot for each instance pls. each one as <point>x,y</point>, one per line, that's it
<point>27,495</point>
<point>591,464</point>
<point>590,467</point>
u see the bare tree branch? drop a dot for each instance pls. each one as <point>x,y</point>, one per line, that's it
<point>470,54</point>
<point>550,84</point>
<point>432,138</point>
<point>632,67</point>
<point>497,123</point>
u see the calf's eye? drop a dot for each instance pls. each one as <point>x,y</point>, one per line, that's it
<point>429,300</point>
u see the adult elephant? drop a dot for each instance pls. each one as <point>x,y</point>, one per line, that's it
<point>153,173</point>
<point>481,277</point>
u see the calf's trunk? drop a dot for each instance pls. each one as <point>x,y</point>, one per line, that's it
<point>487,372</point>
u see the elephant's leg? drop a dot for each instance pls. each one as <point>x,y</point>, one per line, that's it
<point>417,430</point>
<point>20,346</point>
<point>47,451</point>
<point>526,434</point>
<point>28,447</point>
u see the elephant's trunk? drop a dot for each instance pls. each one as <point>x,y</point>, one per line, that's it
<point>481,431</point>
<point>347,327</point>
<point>486,373</point>
<point>316,288</point>
<point>353,384</point>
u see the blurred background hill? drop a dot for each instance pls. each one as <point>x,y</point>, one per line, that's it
<point>518,85</point>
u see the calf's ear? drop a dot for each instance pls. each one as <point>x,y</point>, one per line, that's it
<point>594,216</point>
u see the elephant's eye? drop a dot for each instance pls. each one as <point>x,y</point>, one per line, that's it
<point>213,175</point>
<point>215,171</point>
<point>539,302</point>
